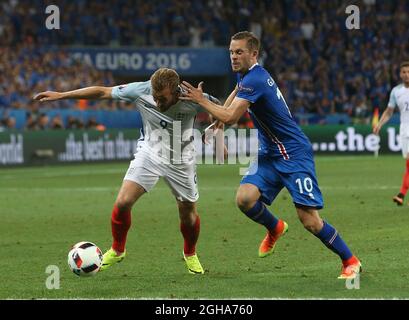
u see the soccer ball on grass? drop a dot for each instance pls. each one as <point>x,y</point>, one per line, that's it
<point>85,259</point>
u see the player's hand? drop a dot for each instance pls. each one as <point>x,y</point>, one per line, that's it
<point>191,93</point>
<point>376,130</point>
<point>48,96</point>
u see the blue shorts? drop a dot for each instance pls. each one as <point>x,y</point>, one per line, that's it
<point>301,182</point>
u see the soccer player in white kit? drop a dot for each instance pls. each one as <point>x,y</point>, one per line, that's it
<point>165,149</point>
<point>399,97</point>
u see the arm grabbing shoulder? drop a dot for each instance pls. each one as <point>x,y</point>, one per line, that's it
<point>229,116</point>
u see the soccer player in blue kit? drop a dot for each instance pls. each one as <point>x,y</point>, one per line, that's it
<point>285,156</point>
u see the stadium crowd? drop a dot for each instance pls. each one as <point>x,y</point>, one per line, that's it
<point>322,67</point>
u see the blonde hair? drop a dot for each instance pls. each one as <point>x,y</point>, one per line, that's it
<point>165,78</point>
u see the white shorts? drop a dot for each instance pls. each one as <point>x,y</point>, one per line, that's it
<point>146,170</point>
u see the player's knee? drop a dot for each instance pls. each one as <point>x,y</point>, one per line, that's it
<point>244,202</point>
<point>124,203</point>
<point>247,197</point>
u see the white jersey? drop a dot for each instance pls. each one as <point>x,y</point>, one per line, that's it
<point>399,97</point>
<point>167,135</point>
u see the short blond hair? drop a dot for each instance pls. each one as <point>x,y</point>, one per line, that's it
<point>253,43</point>
<point>404,64</point>
<point>165,78</point>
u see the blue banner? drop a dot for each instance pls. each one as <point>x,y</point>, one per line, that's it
<point>144,61</point>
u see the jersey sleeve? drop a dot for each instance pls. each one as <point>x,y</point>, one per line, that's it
<point>392,99</point>
<point>250,89</point>
<point>131,91</point>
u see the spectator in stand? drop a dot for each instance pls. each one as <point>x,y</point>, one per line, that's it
<point>43,122</point>
<point>7,123</point>
<point>94,125</point>
<point>31,121</point>
<point>56,122</point>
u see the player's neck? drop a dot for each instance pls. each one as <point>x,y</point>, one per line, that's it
<point>242,74</point>
<point>253,65</point>
<point>406,84</point>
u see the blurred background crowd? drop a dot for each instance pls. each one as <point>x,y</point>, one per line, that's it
<point>321,67</point>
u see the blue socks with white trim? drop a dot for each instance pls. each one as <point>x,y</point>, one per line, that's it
<point>260,214</point>
<point>330,237</point>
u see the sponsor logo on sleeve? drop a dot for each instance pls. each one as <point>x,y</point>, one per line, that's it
<point>245,89</point>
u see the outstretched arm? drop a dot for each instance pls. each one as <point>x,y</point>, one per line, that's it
<point>386,115</point>
<point>94,92</point>
<point>229,115</point>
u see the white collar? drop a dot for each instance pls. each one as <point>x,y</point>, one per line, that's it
<point>256,64</point>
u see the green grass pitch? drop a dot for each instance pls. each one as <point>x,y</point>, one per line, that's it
<point>45,210</point>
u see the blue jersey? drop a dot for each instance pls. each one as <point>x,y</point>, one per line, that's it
<point>280,136</point>
<point>285,156</point>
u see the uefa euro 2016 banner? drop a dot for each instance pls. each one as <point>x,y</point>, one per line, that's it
<point>69,146</point>
<point>143,62</point>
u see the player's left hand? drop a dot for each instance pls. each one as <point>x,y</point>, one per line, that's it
<point>191,93</point>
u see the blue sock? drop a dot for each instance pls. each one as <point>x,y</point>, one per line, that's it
<point>330,237</point>
<point>260,214</point>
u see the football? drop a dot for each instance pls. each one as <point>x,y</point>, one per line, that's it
<point>85,259</point>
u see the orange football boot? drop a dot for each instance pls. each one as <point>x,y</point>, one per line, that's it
<point>350,268</point>
<point>268,244</point>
